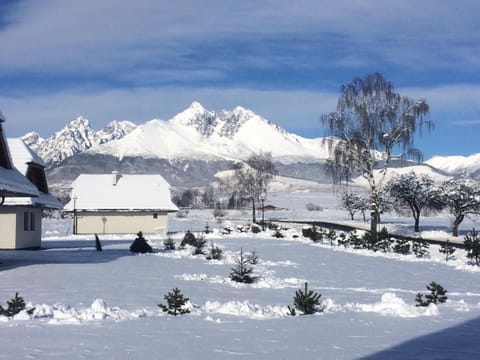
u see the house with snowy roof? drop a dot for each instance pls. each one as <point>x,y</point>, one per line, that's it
<point>23,195</point>
<point>120,204</point>
<point>22,216</point>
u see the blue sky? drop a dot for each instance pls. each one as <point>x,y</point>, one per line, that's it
<point>285,60</point>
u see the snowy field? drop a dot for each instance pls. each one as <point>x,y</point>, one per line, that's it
<point>103,305</point>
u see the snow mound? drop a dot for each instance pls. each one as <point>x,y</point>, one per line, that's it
<point>245,308</point>
<point>392,305</point>
<point>62,314</point>
<point>270,282</point>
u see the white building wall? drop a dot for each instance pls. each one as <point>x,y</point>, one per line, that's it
<point>104,222</point>
<point>20,227</point>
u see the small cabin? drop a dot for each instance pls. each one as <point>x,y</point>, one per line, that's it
<point>20,213</point>
<point>120,204</point>
<point>22,216</point>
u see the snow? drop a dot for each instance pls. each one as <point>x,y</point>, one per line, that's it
<point>91,304</point>
<point>456,164</point>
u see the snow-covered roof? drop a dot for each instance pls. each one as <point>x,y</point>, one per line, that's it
<point>22,157</point>
<point>120,192</point>
<point>12,183</point>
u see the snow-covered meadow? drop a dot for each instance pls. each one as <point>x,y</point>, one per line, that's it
<point>91,304</point>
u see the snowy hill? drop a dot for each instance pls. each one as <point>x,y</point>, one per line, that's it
<point>457,164</point>
<point>197,133</point>
<point>77,136</point>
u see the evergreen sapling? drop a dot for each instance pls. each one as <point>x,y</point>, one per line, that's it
<point>15,306</point>
<point>472,246</point>
<point>437,295</point>
<point>215,253</point>
<point>242,272</point>
<point>307,302</point>
<point>175,303</point>
<point>448,249</point>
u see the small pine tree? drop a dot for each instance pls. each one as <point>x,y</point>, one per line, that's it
<point>401,247</point>
<point>384,241</point>
<point>307,301</point>
<point>472,246</point>
<point>169,244</point>
<point>140,245</point>
<point>343,240</point>
<point>448,249</point>
<point>420,248</point>
<point>356,241</point>
<point>331,235</point>
<point>15,305</point>
<point>242,272</point>
<point>175,303</point>
<point>215,253</point>
<point>199,246</point>
<point>437,295</point>
<point>313,234</point>
<point>253,258</point>
<point>188,239</point>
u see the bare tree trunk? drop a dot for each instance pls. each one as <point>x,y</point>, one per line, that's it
<point>456,223</point>
<point>374,216</point>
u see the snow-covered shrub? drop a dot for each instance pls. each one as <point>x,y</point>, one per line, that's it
<point>420,248</point>
<point>355,240</point>
<point>175,303</point>
<point>140,245</point>
<point>188,239</point>
<point>313,234</point>
<point>255,228</point>
<point>253,258</point>
<point>169,244</point>
<point>278,234</point>
<point>343,240</point>
<point>331,235</point>
<point>199,246</point>
<point>306,301</point>
<point>214,253</point>
<point>448,249</point>
<point>472,246</point>
<point>15,305</point>
<point>312,207</point>
<point>436,295</point>
<point>401,247</point>
<point>227,230</point>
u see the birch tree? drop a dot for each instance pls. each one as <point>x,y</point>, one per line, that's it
<point>373,124</point>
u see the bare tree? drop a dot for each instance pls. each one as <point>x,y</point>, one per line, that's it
<point>252,178</point>
<point>372,122</point>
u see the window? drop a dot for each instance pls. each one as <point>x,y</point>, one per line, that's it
<point>155,215</point>
<point>26,221</point>
<point>29,221</point>
<point>32,221</point>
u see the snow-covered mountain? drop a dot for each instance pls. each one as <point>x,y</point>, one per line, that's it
<point>457,164</point>
<point>76,137</point>
<point>197,133</point>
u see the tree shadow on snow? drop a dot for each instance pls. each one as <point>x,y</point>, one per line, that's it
<point>65,252</point>
<point>454,343</point>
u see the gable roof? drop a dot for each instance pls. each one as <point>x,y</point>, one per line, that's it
<point>120,192</point>
<point>32,167</point>
<point>12,183</point>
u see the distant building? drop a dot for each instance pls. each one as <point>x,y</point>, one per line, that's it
<point>120,204</point>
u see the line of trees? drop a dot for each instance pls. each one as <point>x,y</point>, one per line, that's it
<point>419,195</point>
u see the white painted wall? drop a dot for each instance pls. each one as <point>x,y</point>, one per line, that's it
<point>12,231</point>
<point>111,222</point>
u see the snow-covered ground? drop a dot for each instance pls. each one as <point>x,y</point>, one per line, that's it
<point>91,305</point>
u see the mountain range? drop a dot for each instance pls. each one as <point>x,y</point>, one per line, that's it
<point>189,149</point>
